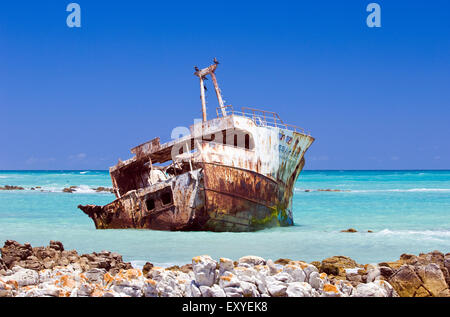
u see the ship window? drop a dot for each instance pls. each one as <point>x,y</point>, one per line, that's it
<point>209,138</point>
<point>224,136</point>
<point>247,141</point>
<point>150,203</point>
<point>166,198</point>
<point>238,138</point>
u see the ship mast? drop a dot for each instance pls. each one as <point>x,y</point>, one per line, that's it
<point>201,74</point>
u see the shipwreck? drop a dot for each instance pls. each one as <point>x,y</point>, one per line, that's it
<point>235,172</point>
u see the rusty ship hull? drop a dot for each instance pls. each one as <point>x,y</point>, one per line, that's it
<point>235,172</point>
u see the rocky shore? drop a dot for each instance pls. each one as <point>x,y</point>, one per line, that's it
<point>70,190</point>
<point>53,271</point>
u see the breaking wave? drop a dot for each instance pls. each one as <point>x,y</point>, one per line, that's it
<point>84,189</point>
<point>403,190</point>
<point>139,264</point>
<point>428,233</point>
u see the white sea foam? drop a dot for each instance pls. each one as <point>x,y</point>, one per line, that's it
<point>85,172</point>
<point>84,189</point>
<point>398,190</point>
<point>428,233</point>
<point>139,264</point>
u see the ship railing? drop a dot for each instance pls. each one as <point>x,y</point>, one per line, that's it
<point>259,117</point>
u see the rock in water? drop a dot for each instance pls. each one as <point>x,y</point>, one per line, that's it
<point>350,230</point>
<point>8,187</point>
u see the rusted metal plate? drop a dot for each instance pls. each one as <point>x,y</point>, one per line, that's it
<point>146,148</point>
<point>177,204</point>
<point>242,200</point>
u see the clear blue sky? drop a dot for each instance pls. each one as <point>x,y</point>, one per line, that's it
<point>374,98</point>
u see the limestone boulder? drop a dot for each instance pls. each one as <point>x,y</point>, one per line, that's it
<point>344,287</point>
<point>204,268</point>
<point>252,260</point>
<point>149,289</point>
<point>249,289</point>
<point>296,272</point>
<point>233,292</point>
<point>213,291</point>
<point>231,285</point>
<point>370,290</point>
<point>330,290</point>
<point>7,289</point>
<point>283,277</point>
<point>23,277</point>
<point>272,268</point>
<point>277,288</point>
<point>373,273</point>
<point>127,282</point>
<point>245,274</point>
<point>225,265</point>
<point>299,289</point>
<point>229,280</point>
<point>316,280</point>
<point>172,286</point>
<point>95,275</point>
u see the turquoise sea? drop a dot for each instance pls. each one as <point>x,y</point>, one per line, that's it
<point>408,212</point>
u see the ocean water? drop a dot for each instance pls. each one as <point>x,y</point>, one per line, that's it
<point>408,212</point>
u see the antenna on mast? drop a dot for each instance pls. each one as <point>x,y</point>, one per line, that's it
<point>201,74</point>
